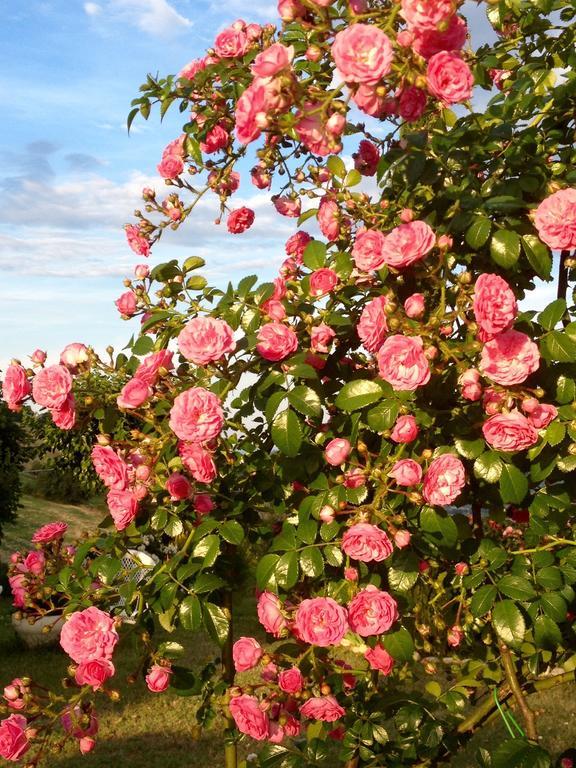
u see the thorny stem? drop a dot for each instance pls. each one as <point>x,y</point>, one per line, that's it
<point>512,679</point>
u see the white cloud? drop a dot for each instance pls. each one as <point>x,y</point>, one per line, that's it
<point>256,9</point>
<point>157,18</point>
<point>92,9</point>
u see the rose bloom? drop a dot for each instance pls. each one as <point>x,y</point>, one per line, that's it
<point>367,158</point>
<point>412,103</point>
<point>509,432</point>
<point>276,341</point>
<point>51,386</point>
<point>170,167</point>
<point>250,114</point>
<point>321,337</point>
<point>368,99</point>
<point>17,586</point>
<point>367,543</point>
<point>198,461</point>
<point>291,680</point>
<point>469,380</point>
<point>322,281</point>
<point>329,219</point>
<point>402,363</point>
<point>368,250</point>
<point>362,53</point>
<point>414,306</point>
<point>134,394</point>
<point>509,358</point>
<point>427,42</point>
<point>402,539</point>
<point>555,220</point>
<point>204,340</point>
<point>449,78</point>
<point>455,636</point>
<point>324,708</point>
<point>444,480</point>
<point>136,240</point>
<point>203,504</point>
<point>72,722</point>
<point>15,386</point>
<point>405,430</point>
<point>158,678</point>
<point>319,136</point>
<point>89,634</point>
<point>123,506</point>
<point>232,41</point>
<point>354,478</point>
<point>270,613</point>
<point>196,415</point>
<point>274,309</point>
<point>13,740</point>
<point>126,304</point>
<point>372,612</point>
<point>272,60</point>
<point>110,468</point>
<point>150,368</point>
<point>249,717</point>
<point>407,244</point>
<point>337,451</point>
<point>49,532</point>
<point>94,672</point>
<point>74,355</point>
<point>34,562</point>
<point>246,653</point>
<point>494,306</point>
<point>286,206</point>
<point>426,14</point>
<point>379,659</point>
<point>240,220</point>
<point>38,356</point>
<point>406,472</point>
<point>65,416</point>
<point>178,486</point>
<point>320,621</point>
<point>296,243</point>
<point>540,414</point>
<point>373,325</point>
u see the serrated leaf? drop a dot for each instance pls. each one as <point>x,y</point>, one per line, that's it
<point>518,753</point>
<point>551,316</point>
<point>399,644</point>
<point>470,449</point>
<point>287,570</point>
<point>216,622</point>
<point>207,548</point>
<point>488,467</point>
<point>538,255</point>
<point>190,613</point>
<point>513,484</point>
<point>483,600</point>
<point>508,623</point>
<point>232,532</point>
<point>505,247</point>
<point>383,416</point>
<point>311,562</point>
<point>287,432</point>
<point>478,232</point>
<point>557,345</point>
<point>358,394</point>
<point>265,571</point>
<point>314,256</point>
<point>554,606</point>
<point>516,587</point>
<point>306,401</point>
<point>439,527</point>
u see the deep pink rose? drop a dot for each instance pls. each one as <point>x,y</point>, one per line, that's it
<point>178,486</point>
<point>494,306</point>
<point>426,14</point>
<point>276,341</point>
<point>158,678</point>
<point>49,532</point>
<point>367,543</point>
<point>509,432</point>
<point>444,480</point>
<point>296,244</point>
<point>329,219</point>
<point>198,461</point>
<point>373,325</point>
<point>123,506</point>
<point>372,612</point>
<point>321,337</point>
<point>323,281</point>
<point>94,672</point>
<point>204,340</point>
<point>291,680</point>
<point>412,103</point>
<point>368,99</point>
<point>337,451</point>
<point>17,585</point>
<point>170,167</point>
<point>232,41</point>
<point>324,708</point>
<point>89,634</point>
<point>15,386</point>
<point>65,416</point>
<point>379,659</point>
<point>287,206</point>
<point>402,362</point>
<point>368,250</point>
<point>203,504</point>
<point>427,42</point>
<point>539,414</point>
<point>407,243</point>
<point>249,717</point>
<point>35,562</point>
<point>320,621</point>
<point>367,157</point>
<point>274,309</point>
<point>13,740</point>
<point>74,355</point>
<point>216,139</point>
<point>354,478</point>
<point>555,220</point>
<point>246,652</point>
<point>150,368</point>
<point>196,415</point>
<point>405,429</point>
<point>110,468</point>
<point>240,220</point>
<point>136,240</point>
<point>134,393</point>
<point>509,358</point>
<point>414,306</point>
<point>363,54</point>
<point>38,356</point>
<point>406,472</point>
<point>449,78</point>
<point>126,304</point>
<point>250,115</point>
<point>272,60</point>
<point>51,386</point>
<point>320,136</point>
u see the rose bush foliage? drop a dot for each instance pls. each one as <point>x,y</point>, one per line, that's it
<point>382,423</point>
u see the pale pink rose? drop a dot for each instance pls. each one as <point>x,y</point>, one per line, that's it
<point>407,243</point>
<point>231,42</point>
<point>158,678</point>
<point>35,562</point>
<point>414,306</point>
<point>13,740</point>
<point>249,717</point>
<point>494,306</point>
<point>321,337</point>
<point>110,468</point>
<point>86,744</point>
<point>372,612</point>
<point>123,506</point>
<point>204,340</point>
<point>216,139</point>
<point>134,394</point>
<point>351,574</point>
<point>492,401</point>
<point>320,621</point>
<point>136,240</point>
<point>555,220</point>
<point>65,416</point>
<point>291,10</point>
<point>261,177</point>
<point>196,415</point>
<point>368,99</point>
<point>49,532</point>
<point>402,362</point>
<point>14,694</point>
<point>240,220</point>
<point>509,358</point>
<point>74,355</point>
<point>367,543</point>
<point>367,157</point>
<point>272,60</point>
<point>296,244</point>
<point>270,613</point>
<point>449,78</point>
<point>198,462</point>
<point>324,708</point>
<point>254,31</point>
<point>191,69</point>
<point>405,429</point>
<point>379,658</point>
<point>354,478</point>
<point>38,356</point>
<point>368,250</point>
<point>250,114</point>
<point>17,585</point>
<point>276,341</point>
<point>540,414</point>
<point>337,451</point>
<point>94,672</point>
<point>455,636</point>
<point>426,14</point>
<point>326,514</point>
<point>402,539</point>
<point>150,368</point>
<point>509,432</point>
<point>412,103</point>
<point>89,634</point>
<point>246,652</point>
<point>15,387</point>
<point>141,271</point>
<point>274,309</point>
<point>203,504</point>
<point>329,219</point>
<point>323,281</point>
<point>406,472</point>
<point>373,325</point>
<point>51,386</point>
<point>319,135</point>
<point>126,304</point>
<point>469,380</point>
<point>427,42</point>
<point>444,480</point>
<point>291,680</point>
<point>363,54</point>
<point>178,486</point>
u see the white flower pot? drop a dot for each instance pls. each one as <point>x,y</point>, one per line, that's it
<point>34,635</point>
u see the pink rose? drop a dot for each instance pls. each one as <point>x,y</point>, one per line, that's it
<point>287,206</point>
<point>246,652</point>
<point>109,467</point>
<point>539,414</point>
<point>296,244</point>
<point>136,240</point>
<point>509,432</point>
<point>426,14</point>
<point>509,358</point>
<point>276,341</point>
<point>65,416</point>
<point>232,41</point>
<point>368,99</point>
<point>134,394</point>
<point>150,368</point>
<point>402,539</point>
<point>196,415</point>
<point>94,672</point>
<point>362,53</point>
<point>555,220</point>
<point>89,634</point>
<point>320,621</point>
<point>270,613</point>
<point>405,429</point>
<point>291,680</point>
<point>329,219</point>
<point>275,310</point>
<point>74,355</point>
<point>412,103</point>
<point>455,636</point>
<point>366,543</point>
<point>15,386</point>
<point>368,250</point>
<point>17,585</point>
<point>198,462</point>
<point>49,532</point>
<point>51,386</point>
<point>449,78</point>
<point>337,451</point>
<point>158,678</point>
<point>178,486</point>
<point>351,574</point>
<point>354,478</point>
<point>204,340</point>
<point>402,363</point>
<point>320,136</point>
<point>367,157</point>
<point>250,115</point>
<point>469,380</point>
<point>372,612</point>
<point>126,304</point>
<point>35,562</point>
<point>324,708</point>
<point>123,506</point>
<point>379,658</point>
<point>407,243</point>
<point>494,306</point>
<point>13,740</point>
<point>272,60</point>
<point>291,10</point>
<point>373,325</point>
<point>414,306</point>
<point>321,337</point>
<point>406,472</point>
<point>86,744</point>
<point>249,717</point>
<point>216,139</point>
<point>240,220</point>
<point>322,281</point>
<point>38,356</point>
<point>326,514</point>
<point>170,167</point>
<point>444,480</point>
<point>427,42</point>
<point>203,504</point>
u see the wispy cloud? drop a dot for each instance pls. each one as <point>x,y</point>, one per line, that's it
<point>157,18</point>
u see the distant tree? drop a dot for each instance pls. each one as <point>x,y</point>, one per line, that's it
<point>13,453</point>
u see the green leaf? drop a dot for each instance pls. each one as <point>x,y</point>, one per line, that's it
<point>488,467</point>
<point>555,433</point>
<point>518,753</point>
<point>538,255</point>
<point>505,248</point>
<point>554,606</point>
<point>193,262</point>
<point>287,433</point>
<point>483,600</point>
<point>143,345</point>
<point>547,633</point>
<point>399,644</point>
<point>333,555</point>
<point>352,178</point>
<point>478,232</point>
<point>439,527</point>
<point>383,416</point>
<point>565,390</point>
<point>287,570</point>
<point>516,587</point>
<point>232,532</point>
<point>551,316</point>
<point>508,623</point>
<point>190,613</point>
<point>314,256</point>
<point>311,562</point>
<point>216,622</point>
<point>513,484</point>
<point>307,530</point>
<point>403,574</point>
<point>265,571</point>
<point>207,548</point>
<point>557,345</point>
<point>470,449</point>
<point>550,577</point>
<point>336,166</point>
<point>306,401</point>
<point>358,394</point>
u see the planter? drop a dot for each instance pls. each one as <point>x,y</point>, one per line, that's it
<point>34,635</point>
